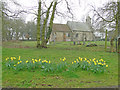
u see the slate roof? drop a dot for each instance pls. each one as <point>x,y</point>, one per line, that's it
<point>61,28</point>
<point>78,26</point>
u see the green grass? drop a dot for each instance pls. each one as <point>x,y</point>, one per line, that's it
<point>67,79</point>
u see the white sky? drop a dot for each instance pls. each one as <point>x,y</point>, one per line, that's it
<point>80,10</point>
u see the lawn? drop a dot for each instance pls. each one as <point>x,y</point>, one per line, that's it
<point>66,79</point>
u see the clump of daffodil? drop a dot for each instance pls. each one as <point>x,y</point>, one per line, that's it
<point>64,59</point>
<point>7,58</point>
<point>12,58</point>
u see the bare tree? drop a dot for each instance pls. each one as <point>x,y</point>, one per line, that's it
<point>107,16</point>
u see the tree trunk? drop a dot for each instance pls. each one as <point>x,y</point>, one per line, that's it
<point>116,31</point>
<point>43,44</point>
<point>38,24</point>
<point>51,22</point>
<point>106,41</point>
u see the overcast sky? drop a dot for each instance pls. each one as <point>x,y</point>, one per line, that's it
<point>80,9</point>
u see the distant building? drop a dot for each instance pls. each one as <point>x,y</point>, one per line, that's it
<point>73,31</point>
<point>60,32</point>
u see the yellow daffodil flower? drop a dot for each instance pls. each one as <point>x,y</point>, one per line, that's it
<point>72,62</point>
<point>95,63</point>
<point>106,65</point>
<point>79,57</point>
<point>39,60</point>
<point>14,65</point>
<point>85,58</point>
<point>14,58</point>
<point>49,62</point>
<point>36,60</point>
<point>19,58</point>
<point>75,61</point>
<point>7,58</point>
<point>27,61</point>
<point>33,61</point>
<point>63,59</point>
<point>18,63</point>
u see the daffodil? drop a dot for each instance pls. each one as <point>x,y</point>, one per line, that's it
<point>85,58</point>
<point>19,58</point>
<point>49,62</point>
<point>100,63</point>
<point>14,65</point>
<point>106,65</point>
<point>12,58</point>
<point>33,61</point>
<point>46,61</point>
<point>36,60</point>
<point>95,63</point>
<point>18,63</point>
<point>27,61</point>
<point>72,62</point>
<point>63,59</point>
<point>79,57</point>
<point>39,60</point>
<point>75,61</point>
<point>7,58</point>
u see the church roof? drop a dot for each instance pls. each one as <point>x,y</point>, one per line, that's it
<point>61,27</point>
<point>78,26</point>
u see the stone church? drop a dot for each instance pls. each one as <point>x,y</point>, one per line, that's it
<point>73,31</point>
